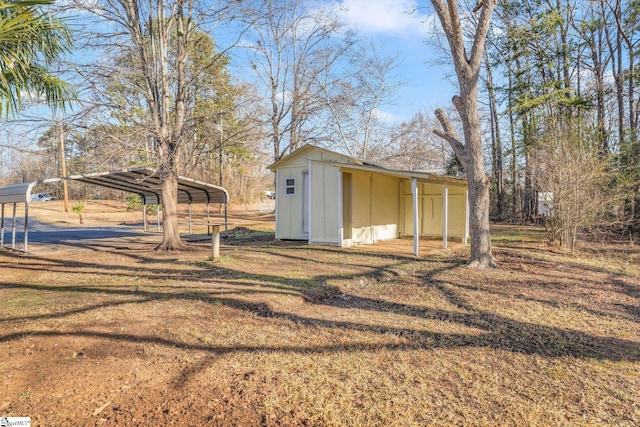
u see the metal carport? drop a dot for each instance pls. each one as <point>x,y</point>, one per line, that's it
<point>140,180</point>
<point>146,183</point>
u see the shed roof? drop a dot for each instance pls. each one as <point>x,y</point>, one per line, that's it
<point>348,162</point>
<point>310,147</point>
<point>418,175</point>
<point>146,183</point>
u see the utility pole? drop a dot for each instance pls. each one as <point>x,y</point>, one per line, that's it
<point>63,165</point>
<point>220,151</point>
<point>220,123</point>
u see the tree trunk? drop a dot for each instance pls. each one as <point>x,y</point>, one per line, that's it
<point>600,90</point>
<point>171,234</point>
<point>496,145</point>
<point>472,159</point>
<point>528,189</point>
<point>633,125</point>
<point>479,233</point>
<point>616,70</point>
<point>515,201</point>
<point>477,180</point>
<point>470,153</point>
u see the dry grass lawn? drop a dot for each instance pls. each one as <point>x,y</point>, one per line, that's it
<point>286,334</point>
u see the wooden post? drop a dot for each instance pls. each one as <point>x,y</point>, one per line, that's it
<point>215,243</point>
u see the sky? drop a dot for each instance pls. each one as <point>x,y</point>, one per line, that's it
<point>396,31</point>
<point>390,25</point>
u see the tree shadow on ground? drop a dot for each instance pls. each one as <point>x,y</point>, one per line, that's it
<point>497,331</point>
<point>209,284</point>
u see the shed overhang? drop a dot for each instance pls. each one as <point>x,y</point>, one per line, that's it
<point>418,176</point>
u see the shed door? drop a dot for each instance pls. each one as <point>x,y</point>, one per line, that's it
<point>431,215</point>
<point>305,204</point>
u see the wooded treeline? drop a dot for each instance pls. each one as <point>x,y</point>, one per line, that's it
<point>562,112</point>
<point>156,87</point>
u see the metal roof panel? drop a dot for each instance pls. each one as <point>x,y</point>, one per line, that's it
<point>146,183</point>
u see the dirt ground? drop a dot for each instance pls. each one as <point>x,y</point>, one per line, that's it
<point>280,333</point>
<point>99,213</point>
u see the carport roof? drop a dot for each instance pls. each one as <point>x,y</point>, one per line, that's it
<point>146,183</point>
<point>21,192</point>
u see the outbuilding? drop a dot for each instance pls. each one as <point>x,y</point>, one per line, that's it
<point>327,197</point>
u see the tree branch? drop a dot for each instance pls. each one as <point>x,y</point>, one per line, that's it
<point>449,134</point>
<point>457,102</point>
<point>481,35</point>
<point>450,21</point>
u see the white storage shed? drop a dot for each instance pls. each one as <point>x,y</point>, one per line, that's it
<point>327,197</point>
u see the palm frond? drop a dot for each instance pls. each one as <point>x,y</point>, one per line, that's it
<point>30,41</point>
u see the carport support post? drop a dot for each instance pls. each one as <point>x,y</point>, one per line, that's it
<point>144,216</point>
<point>26,227</point>
<point>445,214</point>
<point>416,231</point>
<point>13,228</point>
<point>2,227</point>
<point>189,209</point>
<point>226,219</point>
<point>208,221</point>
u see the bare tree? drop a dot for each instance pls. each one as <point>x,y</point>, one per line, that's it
<point>590,29</point>
<point>469,149</point>
<point>412,145</point>
<point>354,97</point>
<point>294,47</point>
<point>154,37</point>
<point>572,179</point>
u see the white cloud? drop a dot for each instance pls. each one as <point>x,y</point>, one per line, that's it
<point>400,18</point>
<point>246,43</point>
<point>385,116</point>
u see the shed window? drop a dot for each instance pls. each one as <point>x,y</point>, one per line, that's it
<point>290,186</point>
